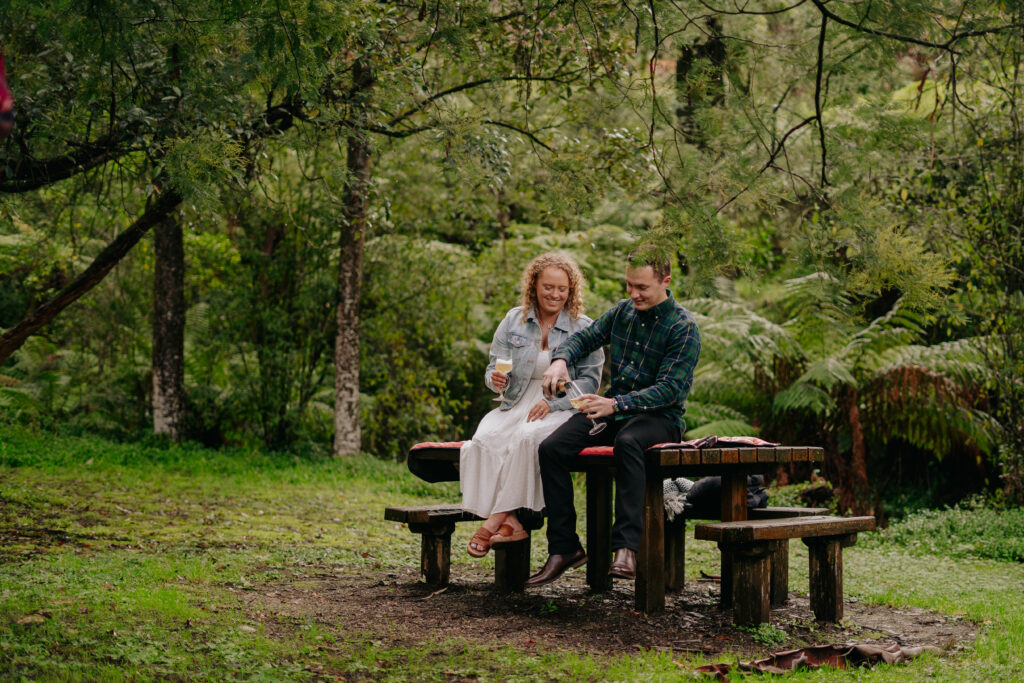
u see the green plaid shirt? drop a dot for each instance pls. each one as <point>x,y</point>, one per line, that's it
<point>653,355</point>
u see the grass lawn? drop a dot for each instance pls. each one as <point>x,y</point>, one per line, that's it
<point>140,562</point>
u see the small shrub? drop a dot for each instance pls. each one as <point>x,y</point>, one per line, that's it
<point>970,529</point>
<point>765,634</point>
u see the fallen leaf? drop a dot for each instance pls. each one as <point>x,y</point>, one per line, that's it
<point>32,619</point>
<point>247,628</point>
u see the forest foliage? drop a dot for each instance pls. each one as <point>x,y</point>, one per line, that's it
<point>841,184</point>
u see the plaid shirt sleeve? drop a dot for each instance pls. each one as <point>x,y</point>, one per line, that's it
<point>587,340</point>
<point>675,375</point>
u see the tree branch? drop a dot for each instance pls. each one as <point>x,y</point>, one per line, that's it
<point>519,130</point>
<point>12,339</point>
<point>779,147</point>
<point>268,123</point>
<point>817,96</point>
<point>948,45</point>
<point>423,104</point>
<point>31,174</point>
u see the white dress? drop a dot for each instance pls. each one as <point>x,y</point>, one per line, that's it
<point>498,468</point>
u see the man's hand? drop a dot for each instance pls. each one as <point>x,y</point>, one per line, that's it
<point>538,411</point>
<point>597,406</point>
<point>499,380</point>
<point>556,373</point>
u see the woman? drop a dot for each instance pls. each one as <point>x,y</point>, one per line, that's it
<point>498,468</point>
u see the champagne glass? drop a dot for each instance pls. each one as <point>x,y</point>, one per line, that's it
<point>575,398</point>
<point>504,366</point>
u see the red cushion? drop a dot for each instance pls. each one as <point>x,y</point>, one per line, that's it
<point>438,444</point>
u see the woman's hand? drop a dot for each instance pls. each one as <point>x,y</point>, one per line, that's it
<point>539,411</point>
<point>499,380</point>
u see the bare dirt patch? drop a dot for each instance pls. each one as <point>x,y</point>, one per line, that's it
<point>397,609</point>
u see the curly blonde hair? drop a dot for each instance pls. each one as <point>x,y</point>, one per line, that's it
<point>553,259</point>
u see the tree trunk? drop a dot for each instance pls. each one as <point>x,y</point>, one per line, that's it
<point>169,329</point>
<point>12,339</point>
<point>856,495</point>
<point>350,271</point>
<point>712,83</point>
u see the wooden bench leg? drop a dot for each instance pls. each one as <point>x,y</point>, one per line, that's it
<point>826,575</point>
<point>675,553</point>
<point>511,566</point>
<point>435,552</point>
<point>780,573</point>
<point>750,573</point>
<point>599,529</point>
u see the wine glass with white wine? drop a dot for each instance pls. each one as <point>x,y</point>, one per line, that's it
<point>504,366</point>
<point>579,403</point>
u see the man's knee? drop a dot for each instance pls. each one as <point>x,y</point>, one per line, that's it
<point>550,449</point>
<point>626,442</point>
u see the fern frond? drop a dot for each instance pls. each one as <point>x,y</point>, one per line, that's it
<point>803,397</point>
<point>197,321</point>
<point>828,373</point>
<point>708,412</point>
<point>723,428</point>
<point>961,359</point>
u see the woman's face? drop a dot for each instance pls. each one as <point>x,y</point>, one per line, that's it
<point>552,290</point>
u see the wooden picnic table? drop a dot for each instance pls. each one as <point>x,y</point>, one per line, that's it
<point>663,462</point>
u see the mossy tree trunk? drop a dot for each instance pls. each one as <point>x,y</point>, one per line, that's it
<point>169,328</point>
<point>347,433</point>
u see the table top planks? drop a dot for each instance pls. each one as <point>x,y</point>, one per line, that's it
<point>673,457</point>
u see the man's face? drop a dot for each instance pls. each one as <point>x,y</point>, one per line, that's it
<point>645,288</point>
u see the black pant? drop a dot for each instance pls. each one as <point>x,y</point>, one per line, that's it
<point>630,438</point>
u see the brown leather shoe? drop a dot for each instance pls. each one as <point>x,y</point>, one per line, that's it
<point>556,566</point>
<point>623,564</point>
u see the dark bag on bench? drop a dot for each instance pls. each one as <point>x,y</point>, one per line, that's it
<point>704,500</point>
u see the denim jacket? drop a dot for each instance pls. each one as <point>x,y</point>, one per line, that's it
<point>520,340</point>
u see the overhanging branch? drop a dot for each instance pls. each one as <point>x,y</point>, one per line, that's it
<point>426,102</point>
<point>948,45</point>
<point>29,174</point>
<point>12,339</point>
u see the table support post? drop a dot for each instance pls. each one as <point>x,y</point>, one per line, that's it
<point>511,565</point>
<point>599,528</point>
<point>734,508</point>
<point>650,571</point>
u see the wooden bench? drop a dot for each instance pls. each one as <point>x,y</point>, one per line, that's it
<point>675,550</point>
<point>732,458</point>
<point>753,543</point>
<point>435,525</point>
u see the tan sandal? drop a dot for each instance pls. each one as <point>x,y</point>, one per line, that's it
<point>506,534</point>
<point>482,540</point>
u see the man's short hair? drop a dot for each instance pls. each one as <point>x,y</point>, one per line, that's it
<point>650,255</point>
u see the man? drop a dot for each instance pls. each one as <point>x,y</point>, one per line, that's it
<point>655,345</point>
